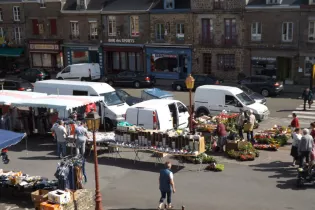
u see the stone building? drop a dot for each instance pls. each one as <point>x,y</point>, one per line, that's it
<point>169,53</point>
<point>306,42</point>
<point>44,34</point>
<point>82,31</point>
<point>218,34</point>
<point>12,34</point>
<point>272,38</point>
<point>126,29</point>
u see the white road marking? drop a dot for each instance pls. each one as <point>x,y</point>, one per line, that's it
<point>303,117</point>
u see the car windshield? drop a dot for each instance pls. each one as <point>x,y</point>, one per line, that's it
<point>111,98</point>
<point>246,90</point>
<point>245,99</point>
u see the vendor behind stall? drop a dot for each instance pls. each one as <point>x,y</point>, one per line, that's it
<point>222,134</point>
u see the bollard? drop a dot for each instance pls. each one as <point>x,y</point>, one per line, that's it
<point>183,207</point>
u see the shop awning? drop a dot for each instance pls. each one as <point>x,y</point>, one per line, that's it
<point>7,97</point>
<point>11,52</point>
<point>9,138</point>
<point>61,102</point>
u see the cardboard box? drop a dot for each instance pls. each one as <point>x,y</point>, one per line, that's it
<point>49,206</point>
<point>59,197</point>
<point>40,196</point>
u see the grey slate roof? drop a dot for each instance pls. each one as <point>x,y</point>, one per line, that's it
<point>263,3</point>
<point>10,1</point>
<point>92,5</point>
<point>179,4</point>
<point>127,5</point>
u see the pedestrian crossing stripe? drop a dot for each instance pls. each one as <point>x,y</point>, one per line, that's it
<point>304,117</point>
<point>308,114</point>
<point>304,112</point>
<point>307,106</point>
<point>302,109</point>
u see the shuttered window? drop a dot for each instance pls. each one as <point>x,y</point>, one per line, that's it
<point>53,26</point>
<point>35,27</point>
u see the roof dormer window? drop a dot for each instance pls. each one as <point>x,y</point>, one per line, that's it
<point>274,1</point>
<point>81,4</point>
<point>169,4</point>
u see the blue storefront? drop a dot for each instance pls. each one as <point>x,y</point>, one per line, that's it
<point>83,54</point>
<point>169,62</point>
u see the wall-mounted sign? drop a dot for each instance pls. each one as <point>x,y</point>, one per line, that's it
<point>130,41</point>
<point>264,58</point>
<point>44,47</point>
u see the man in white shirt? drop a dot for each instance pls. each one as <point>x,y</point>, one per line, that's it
<point>60,134</point>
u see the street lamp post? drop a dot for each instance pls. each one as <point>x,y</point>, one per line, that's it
<point>190,82</point>
<point>93,124</point>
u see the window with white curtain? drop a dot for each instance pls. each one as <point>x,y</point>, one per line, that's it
<point>18,35</point>
<point>16,13</point>
<point>123,60</point>
<point>311,30</point>
<point>37,59</point>
<point>256,31</point>
<point>46,60</point>
<point>138,62</point>
<point>132,61</point>
<point>111,26</point>
<point>116,60</point>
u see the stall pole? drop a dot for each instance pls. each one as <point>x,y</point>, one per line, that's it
<point>93,123</point>
<point>98,197</point>
<point>190,82</point>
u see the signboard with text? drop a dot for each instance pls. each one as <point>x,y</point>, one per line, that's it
<point>127,41</point>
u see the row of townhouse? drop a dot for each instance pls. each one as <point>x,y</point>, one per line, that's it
<point>167,38</point>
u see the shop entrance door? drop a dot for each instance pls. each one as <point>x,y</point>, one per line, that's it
<point>207,63</point>
<point>94,57</point>
<point>182,65</point>
<point>284,68</point>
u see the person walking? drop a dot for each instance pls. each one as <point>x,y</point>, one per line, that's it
<point>80,135</point>
<point>60,133</point>
<point>305,147</point>
<point>307,96</point>
<point>240,123</point>
<point>222,134</point>
<point>296,136</point>
<point>295,122</point>
<point>166,185</point>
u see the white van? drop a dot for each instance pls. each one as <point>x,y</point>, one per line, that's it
<point>80,72</point>
<point>158,114</point>
<point>213,99</point>
<point>115,108</point>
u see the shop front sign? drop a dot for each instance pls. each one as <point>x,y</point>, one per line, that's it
<point>264,58</point>
<point>129,41</point>
<point>44,47</point>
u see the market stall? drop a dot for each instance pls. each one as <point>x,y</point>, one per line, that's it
<point>13,117</point>
<point>9,138</point>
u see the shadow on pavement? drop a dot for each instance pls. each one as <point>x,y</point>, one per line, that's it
<point>130,164</point>
<point>283,172</point>
<point>39,158</point>
<point>35,143</point>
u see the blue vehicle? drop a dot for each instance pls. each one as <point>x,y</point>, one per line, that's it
<point>155,93</point>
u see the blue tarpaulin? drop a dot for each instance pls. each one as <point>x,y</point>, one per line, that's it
<point>155,93</point>
<point>9,138</point>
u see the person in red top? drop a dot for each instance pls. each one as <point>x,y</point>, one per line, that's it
<point>90,107</point>
<point>222,134</point>
<point>295,122</point>
<point>313,130</point>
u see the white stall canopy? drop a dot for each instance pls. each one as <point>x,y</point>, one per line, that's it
<point>58,102</point>
<point>7,97</point>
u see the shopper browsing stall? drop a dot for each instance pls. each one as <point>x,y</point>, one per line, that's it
<point>240,123</point>
<point>295,122</point>
<point>296,136</point>
<point>80,137</point>
<point>305,147</point>
<point>60,133</point>
<point>250,132</point>
<point>222,134</point>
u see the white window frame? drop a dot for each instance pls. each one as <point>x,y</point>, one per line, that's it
<point>168,4</point>
<point>1,32</point>
<point>75,29</point>
<point>311,35</point>
<point>134,19</point>
<point>256,31</point>
<point>18,35</point>
<point>93,30</point>
<point>286,37</point>
<point>111,22</point>
<point>1,14</point>
<point>16,13</point>
<point>180,31</point>
<point>159,34</point>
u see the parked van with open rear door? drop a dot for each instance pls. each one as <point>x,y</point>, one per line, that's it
<point>115,108</point>
<point>81,72</point>
<point>158,114</point>
<point>213,99</point>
